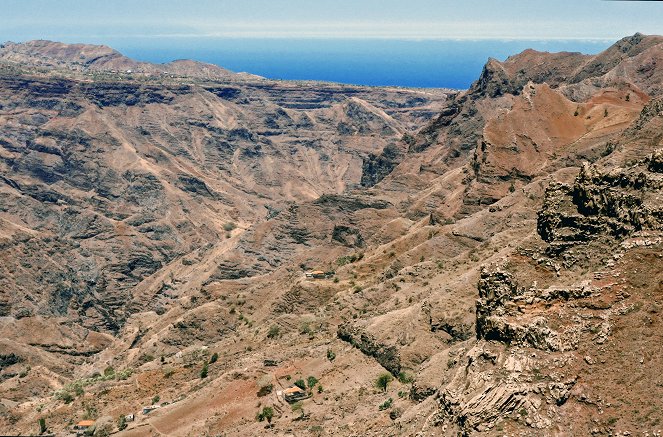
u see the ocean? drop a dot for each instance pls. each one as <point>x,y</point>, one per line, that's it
<point>407,63</point>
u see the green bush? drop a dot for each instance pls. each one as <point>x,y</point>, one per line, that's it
<point>229,226</point>
<point>121,422</point>
<point>383,381</point>
<point>404,378</point>
<point>214,358</point>
<point>331,356</point>
<point>203,371</point>
<point>267,413</point>
<point>301,384</point>
<point>386,404</point>
<point>42,425</point>
<point>311,381</point>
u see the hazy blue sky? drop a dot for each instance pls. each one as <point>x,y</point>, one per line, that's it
<point>95,20</point>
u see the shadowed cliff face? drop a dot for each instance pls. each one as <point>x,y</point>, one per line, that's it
<point>497,251</point>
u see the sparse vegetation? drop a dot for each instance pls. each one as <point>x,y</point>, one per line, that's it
<point>404,378</point>
<point>230,226</point>
<point>203,371</point>
<point>349,259</point>
<point>156,399</point>
<point>265,390</point>
<point>274,331</point>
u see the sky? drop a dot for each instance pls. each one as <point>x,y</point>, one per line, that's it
<point>108,20</point>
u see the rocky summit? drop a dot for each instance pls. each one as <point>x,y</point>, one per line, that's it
<point>190,251</point>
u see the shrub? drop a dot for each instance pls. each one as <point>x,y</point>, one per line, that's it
<point>305,329</point>
<point>274,332</point>
<point>203,372</point>
<point>167,373</point>
<point>42,425</point>
<point>267,413</point>
<point>383,381</point>
<point>265,390</point>
<point>124,374</point>
<point>121,422</point>
<point>229,226</point>
<point>404,378</point>
<point>331,355</point>
<point>64,396</point>
<point>386,404</point>
<point>301,384</point>
<point>320,389</point>
<point>156,399</point>
<point>311,381</point>
<point>146,358</point>
<point>214,358</point>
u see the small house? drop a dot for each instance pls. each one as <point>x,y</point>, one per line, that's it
<point>294,394</point>
<point>84,425</point>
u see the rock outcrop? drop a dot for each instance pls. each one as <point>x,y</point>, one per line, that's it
<point>601,203</point>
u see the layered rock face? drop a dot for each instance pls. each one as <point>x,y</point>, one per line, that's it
<point>615,202</point>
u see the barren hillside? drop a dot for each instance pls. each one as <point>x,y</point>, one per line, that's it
<point>490,260</point>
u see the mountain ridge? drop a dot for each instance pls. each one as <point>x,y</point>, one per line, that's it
<point>474,255</point>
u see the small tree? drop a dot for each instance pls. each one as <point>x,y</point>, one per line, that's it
<point>274,332</point>
<point>301,384</point>
<point>311,381</point>
<point>331,355</point>
<point>383,381</point>
<point>156,399</point>
<point>203,372</point>
<point>214,358</point>
<point>42,425</point>
<point>267,413</point>
<point>121,422</point>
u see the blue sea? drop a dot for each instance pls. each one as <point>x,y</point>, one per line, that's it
<point>426,64</point>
